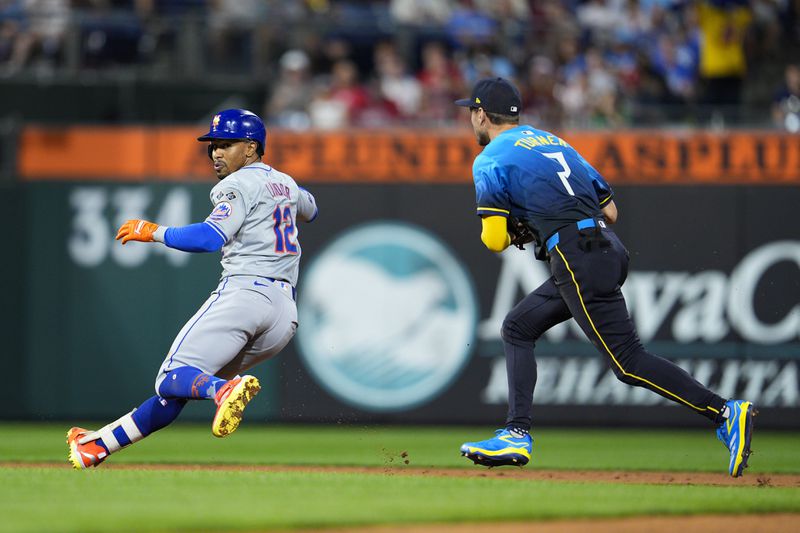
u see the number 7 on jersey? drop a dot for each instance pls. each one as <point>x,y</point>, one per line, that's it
<point>563,174</point>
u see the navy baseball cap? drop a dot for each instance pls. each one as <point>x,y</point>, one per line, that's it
<point>494,95</point>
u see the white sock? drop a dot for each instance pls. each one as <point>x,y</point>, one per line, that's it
<point>125,423</point>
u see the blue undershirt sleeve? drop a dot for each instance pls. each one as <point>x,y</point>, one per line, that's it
<point>200,237</point>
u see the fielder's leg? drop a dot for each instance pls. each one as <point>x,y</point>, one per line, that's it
<point>589,282</point>
<point>524,324</point>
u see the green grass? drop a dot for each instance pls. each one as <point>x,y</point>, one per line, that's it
<point>661,450</point>
<point>215,500</point>
<point>39,499</point>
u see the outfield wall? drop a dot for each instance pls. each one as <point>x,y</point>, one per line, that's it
<point>400,304</point>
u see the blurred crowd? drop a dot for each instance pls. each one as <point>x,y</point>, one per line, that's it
<point>333,64</point>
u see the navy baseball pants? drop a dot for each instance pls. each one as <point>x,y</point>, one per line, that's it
<point>589,267</point>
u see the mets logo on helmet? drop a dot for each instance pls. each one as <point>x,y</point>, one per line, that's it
<point>215,122</point>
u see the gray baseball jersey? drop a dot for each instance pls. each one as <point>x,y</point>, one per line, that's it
<point>255,209</point>
<point>251,315</point>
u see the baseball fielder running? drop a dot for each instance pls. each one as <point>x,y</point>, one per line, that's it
<point>248,318</point>
<point>533,186</point>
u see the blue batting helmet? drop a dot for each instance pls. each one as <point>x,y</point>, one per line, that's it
<point>238,125</point>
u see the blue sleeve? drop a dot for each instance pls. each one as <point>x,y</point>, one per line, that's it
<point>490,189</point>
<point>601,187</point>
<point>201,237</point>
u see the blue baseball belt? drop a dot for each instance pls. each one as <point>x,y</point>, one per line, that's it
<point>551,242</point>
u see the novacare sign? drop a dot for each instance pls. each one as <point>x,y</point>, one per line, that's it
<point>698,311</point>
<point>705,306</point>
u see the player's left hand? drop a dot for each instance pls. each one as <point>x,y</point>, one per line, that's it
<point>136,230</point>
<point>519,232</point>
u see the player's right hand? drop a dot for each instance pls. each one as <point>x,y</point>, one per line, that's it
<point>136,230</point>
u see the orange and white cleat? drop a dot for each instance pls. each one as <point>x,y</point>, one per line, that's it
<point>84,455</point>
<point>231,400</point>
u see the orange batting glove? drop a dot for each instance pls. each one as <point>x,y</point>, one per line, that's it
<point>136,230</point>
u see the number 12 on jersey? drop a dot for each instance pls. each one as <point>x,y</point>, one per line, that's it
<point>563,174</point>
<point>284,230</point>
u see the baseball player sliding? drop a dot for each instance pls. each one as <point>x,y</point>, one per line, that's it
<point>248,318</point>
<point>533,186</point>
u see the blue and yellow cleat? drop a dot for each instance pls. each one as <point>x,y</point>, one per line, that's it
<point>503,449</point>
<point>736,432</point>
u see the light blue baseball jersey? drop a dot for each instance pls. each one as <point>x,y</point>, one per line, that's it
<point>539,178</point>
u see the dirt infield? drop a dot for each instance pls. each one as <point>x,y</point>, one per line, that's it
<point>576,476</point>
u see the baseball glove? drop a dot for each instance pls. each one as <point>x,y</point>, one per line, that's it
<point>519,231</point>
